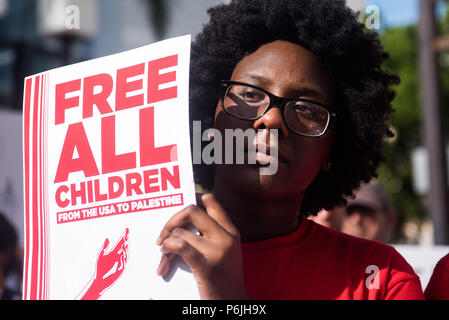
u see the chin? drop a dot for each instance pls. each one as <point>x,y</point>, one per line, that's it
<point>247,181</point>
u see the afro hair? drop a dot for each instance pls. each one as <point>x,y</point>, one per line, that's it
<point>352,56</point>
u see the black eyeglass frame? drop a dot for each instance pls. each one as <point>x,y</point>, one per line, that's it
<point>276,102</point>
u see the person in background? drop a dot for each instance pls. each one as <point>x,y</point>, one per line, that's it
<point>8,261</point>
<point>370,215</point>
<point>438,286</point>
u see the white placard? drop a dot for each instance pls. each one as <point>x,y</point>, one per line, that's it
<point>106,163</point>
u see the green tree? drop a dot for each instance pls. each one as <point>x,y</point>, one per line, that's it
<point>396,173</point>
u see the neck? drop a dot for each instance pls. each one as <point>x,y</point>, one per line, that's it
<point>259,219</point>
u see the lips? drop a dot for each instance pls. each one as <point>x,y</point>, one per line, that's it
<point>265,154</point>
<point>261,158</point>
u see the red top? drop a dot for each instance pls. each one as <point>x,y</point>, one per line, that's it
<point>315,262</point>
<point>438,287</point>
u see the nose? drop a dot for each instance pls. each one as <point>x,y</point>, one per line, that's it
<point>273,119</point>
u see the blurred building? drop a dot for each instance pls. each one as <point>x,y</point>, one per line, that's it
<point>119,26</point>
<point>34,38</point>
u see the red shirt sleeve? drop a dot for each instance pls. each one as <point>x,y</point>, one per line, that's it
<point>438,287</point>
<point>406,290</point>
<point>403,284</point>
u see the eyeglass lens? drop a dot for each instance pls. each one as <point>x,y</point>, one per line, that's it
<point>250,103</point>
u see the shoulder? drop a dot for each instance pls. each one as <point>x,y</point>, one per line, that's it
<point>352,245</point>
<point>442,267</point>
<point>444,263</point>
<point>367,257</point>
<point>438,288</point>
<point>370,250</point>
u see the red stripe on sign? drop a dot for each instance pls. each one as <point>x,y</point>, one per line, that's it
<point>34,210</point>
<point>26,168</point>
<point>40,193</point>
<point>46,181</point>
<point>43,189</point>
<point>44,152</point>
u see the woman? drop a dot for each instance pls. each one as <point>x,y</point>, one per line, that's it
<point>308,70</point>
<point>438,286</point>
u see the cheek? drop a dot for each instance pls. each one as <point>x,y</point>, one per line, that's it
<point>310,156</point>
<point>224,121</point>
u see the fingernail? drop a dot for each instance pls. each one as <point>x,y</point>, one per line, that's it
<point>163,250</point>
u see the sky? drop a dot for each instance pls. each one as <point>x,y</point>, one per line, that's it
<point>395,13</point>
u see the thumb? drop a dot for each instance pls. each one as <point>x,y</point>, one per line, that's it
<point>105,245</point>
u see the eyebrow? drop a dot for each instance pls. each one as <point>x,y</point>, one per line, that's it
<point>260,78</point>
<point>304,91</point>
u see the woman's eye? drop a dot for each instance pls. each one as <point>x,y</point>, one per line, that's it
<point>303,109</point>
<point>251,96</point>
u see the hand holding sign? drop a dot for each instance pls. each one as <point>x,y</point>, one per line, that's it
<point>214,257</point>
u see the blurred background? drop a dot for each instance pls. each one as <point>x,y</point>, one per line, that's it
<point>38,35</point>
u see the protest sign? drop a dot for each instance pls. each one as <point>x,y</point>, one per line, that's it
<point>106,163</point>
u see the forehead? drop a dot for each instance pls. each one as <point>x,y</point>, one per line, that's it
<point>282,64</point>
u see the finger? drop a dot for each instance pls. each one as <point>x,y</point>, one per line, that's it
<point>186,251</point>
<point>125,253</point>
<point>105,245</point>
<point>126,237</point>
<point>121,263</point>
<point>164,264</point>
<point>198,242</point>
<point>120,243</point>
<point>216,211</point>
<point>199,202</point>
<point>189,215</point>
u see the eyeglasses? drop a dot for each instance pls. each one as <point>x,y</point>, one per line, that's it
<point>247,102</point>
